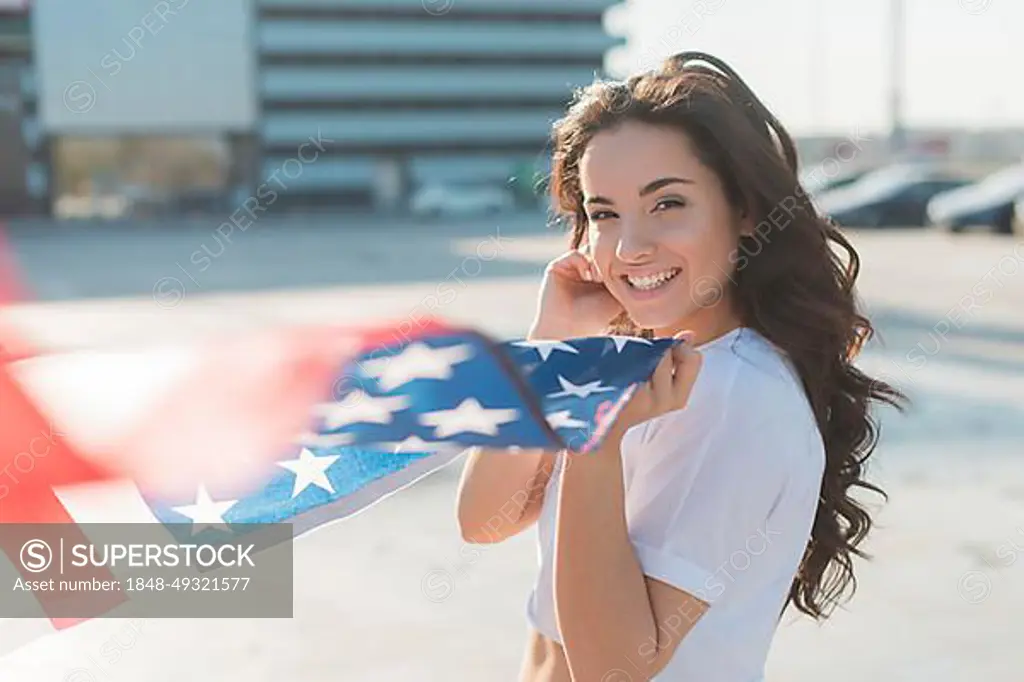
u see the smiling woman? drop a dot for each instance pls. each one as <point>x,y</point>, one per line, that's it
<point>683,213</point>
<point>722,493</point>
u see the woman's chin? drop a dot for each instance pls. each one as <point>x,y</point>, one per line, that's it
<point>658,320</point>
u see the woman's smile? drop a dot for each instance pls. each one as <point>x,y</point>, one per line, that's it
<point>651,281</point>
<point>651,285</point>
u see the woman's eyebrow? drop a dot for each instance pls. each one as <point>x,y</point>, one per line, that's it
<point>655,185</point>
<point>650,187</point>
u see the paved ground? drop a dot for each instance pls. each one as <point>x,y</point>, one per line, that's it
<point>941,601</point>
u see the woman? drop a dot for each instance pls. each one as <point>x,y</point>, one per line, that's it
<point>722,493</point>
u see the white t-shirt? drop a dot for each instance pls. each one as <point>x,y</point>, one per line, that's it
<point>720,500</point>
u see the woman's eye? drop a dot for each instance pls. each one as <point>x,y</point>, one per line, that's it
<point>600,215</point>
<point>669,203</point>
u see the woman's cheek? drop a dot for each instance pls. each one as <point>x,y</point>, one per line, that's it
<point>602,252</point>
<point>695,235</point>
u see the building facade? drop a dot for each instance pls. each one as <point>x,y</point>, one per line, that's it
<point>342,103</point>
<point>23,176</point>
<point>406,93</point>
<point>144,108</point>
<point>189,106</point>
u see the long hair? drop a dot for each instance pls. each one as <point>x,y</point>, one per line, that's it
<point>788,280</point>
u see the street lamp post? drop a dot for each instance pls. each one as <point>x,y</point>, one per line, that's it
<point>897,135</point>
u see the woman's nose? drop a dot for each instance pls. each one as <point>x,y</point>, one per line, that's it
<point>634,246</point>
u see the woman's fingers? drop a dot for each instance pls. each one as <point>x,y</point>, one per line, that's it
<point>595,275</point>
<point>661,380</point>
<point>675,374</point>
<point>575,266</point>
<point>686,364</point>
<point>586,266</point>
<point>669,386</point>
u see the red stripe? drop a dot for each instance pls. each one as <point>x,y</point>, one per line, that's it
<point>12,347</point>
<point>33,458</point>
<point>231,418</point>
<point>32,450</point>
<point>33,512</point>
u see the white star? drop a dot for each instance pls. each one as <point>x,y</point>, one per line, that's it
<point>417,361</point>
<point>621,341</point>
<point>564,419</point>
<point>415,444</point>
<point>546,348</point>
<point>309,470</point>
<point>324,440</point>
<point>584,391</point>
<point>359,406</point>
<point>205,512</point>
<point>469,416</point>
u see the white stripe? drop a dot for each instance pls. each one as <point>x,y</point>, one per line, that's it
<point>20,633</point>
<point>110,502</point>
<point>95,396</point>
<point>27,640</point>
<point>97,399</point>
<point>373,492</point>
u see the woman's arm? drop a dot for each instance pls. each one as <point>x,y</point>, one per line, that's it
<point>501,493</point>
<point>611,616</point>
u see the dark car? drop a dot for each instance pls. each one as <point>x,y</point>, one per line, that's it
<point>989,202</point>
<point>892,196</point>
<point>817,181</point>
<point>201,201</point>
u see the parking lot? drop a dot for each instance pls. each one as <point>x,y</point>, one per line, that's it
<point>940,602</point>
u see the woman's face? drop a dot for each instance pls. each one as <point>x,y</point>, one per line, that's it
<point>660,229</point>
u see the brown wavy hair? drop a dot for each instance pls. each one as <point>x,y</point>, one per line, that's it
<point>789,281</point>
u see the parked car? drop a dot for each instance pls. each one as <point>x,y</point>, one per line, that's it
<point>201,201</point>
<point>815,181</point>
<point>452,199</point>
<point>891,196</point>
<point>989,202</point>
<point>1017,226</point>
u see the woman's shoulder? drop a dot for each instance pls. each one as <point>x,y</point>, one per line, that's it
<point>746,372</point>
<point>747,389</point>
<point>747,424</point>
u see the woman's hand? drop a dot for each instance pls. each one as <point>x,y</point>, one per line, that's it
<point>573,301</point>
<point>668,388</point>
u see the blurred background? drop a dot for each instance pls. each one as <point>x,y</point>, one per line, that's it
<point>174,169</point>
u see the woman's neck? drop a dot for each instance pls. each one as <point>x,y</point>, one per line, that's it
<point>707,324</point>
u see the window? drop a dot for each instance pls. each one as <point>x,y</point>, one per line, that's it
<point>115,176</point>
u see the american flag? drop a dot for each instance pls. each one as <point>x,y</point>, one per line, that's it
<point>303,426</point>
<point>405,410</point>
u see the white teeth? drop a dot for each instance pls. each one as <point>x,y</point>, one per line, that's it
<point>652,281</point>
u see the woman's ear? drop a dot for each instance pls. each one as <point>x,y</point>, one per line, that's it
<point>746,223</point>
<point>745,218</point>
